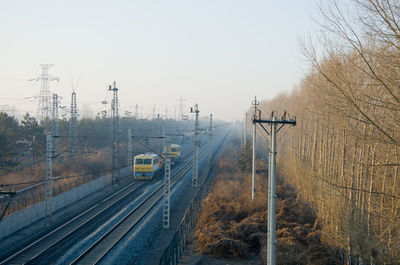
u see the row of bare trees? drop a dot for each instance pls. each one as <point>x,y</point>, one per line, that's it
<point>343,157</point>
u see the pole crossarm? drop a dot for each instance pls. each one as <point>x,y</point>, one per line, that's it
<point>139,139</point>
<point>291,121</point>
<point>262,126</point>
<point>8,193</point>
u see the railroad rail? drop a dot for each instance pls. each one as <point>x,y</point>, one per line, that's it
<point>174,250</point>
<point>38,248</point>
<point>99,249</point>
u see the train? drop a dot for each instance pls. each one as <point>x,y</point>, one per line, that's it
<point>150,165</point>
<point>175,153</point>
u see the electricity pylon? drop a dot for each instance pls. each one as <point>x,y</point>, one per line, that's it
<point>44,106</point>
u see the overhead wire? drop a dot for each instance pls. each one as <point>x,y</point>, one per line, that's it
<point>55,179</point>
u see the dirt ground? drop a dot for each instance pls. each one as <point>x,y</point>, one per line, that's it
<point>191,257</point>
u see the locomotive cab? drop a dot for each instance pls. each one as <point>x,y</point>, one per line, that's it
<point>146,166</point>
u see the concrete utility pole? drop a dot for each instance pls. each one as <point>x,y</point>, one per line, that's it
<point>167,183</point>
<point>180,109</point>
<point>245,130</point>
<point>115,145</point>
<point>130,157</point>
<point>271,240</point>
<point>255,103</point>
<point>55,126</point>
<point>209,141</point>
<point>271,247</point>
<point>136,111</point>
<point>195,173</point>
<point>49,178</point>
<point>160,125</point>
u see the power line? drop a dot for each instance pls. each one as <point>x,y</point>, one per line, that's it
<point>56,179</point>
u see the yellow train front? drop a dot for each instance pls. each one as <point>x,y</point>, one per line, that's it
<point>146,166</point>
<point>175,153</point>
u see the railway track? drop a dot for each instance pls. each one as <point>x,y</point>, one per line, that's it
<point>36,248</point>
<point>33,252</point>
<point>103,245</point>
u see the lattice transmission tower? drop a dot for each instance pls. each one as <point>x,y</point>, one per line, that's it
<point>44,110</point>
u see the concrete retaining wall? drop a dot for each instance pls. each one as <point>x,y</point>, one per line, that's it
<point>24,217</point>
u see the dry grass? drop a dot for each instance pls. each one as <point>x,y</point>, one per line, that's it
<point>76,170</point>
<point>72,171</point>
<point>233,225</point>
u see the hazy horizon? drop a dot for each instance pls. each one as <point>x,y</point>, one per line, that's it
<point>219,54</point>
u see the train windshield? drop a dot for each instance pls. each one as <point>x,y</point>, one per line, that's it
<point>147,161</point>
<point>173,149</point>
<point>139,161</point>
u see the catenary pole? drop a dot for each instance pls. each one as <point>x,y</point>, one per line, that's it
<point>130,158</point>
<point>115,143</point>
<point>55,127</point>
<point>167,184</point>
<point>49,178</point>
<point>195,172</point>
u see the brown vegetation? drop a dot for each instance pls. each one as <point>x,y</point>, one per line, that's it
<point>232,225</point>
<point>68,173</point>
<point>343,157</point>
<point>72,172</point>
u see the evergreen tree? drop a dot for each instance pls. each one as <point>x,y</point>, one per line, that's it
<point>245,158</point>
<point>9,134</point>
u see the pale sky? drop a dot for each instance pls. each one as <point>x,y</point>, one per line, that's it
<point>217,53</point>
